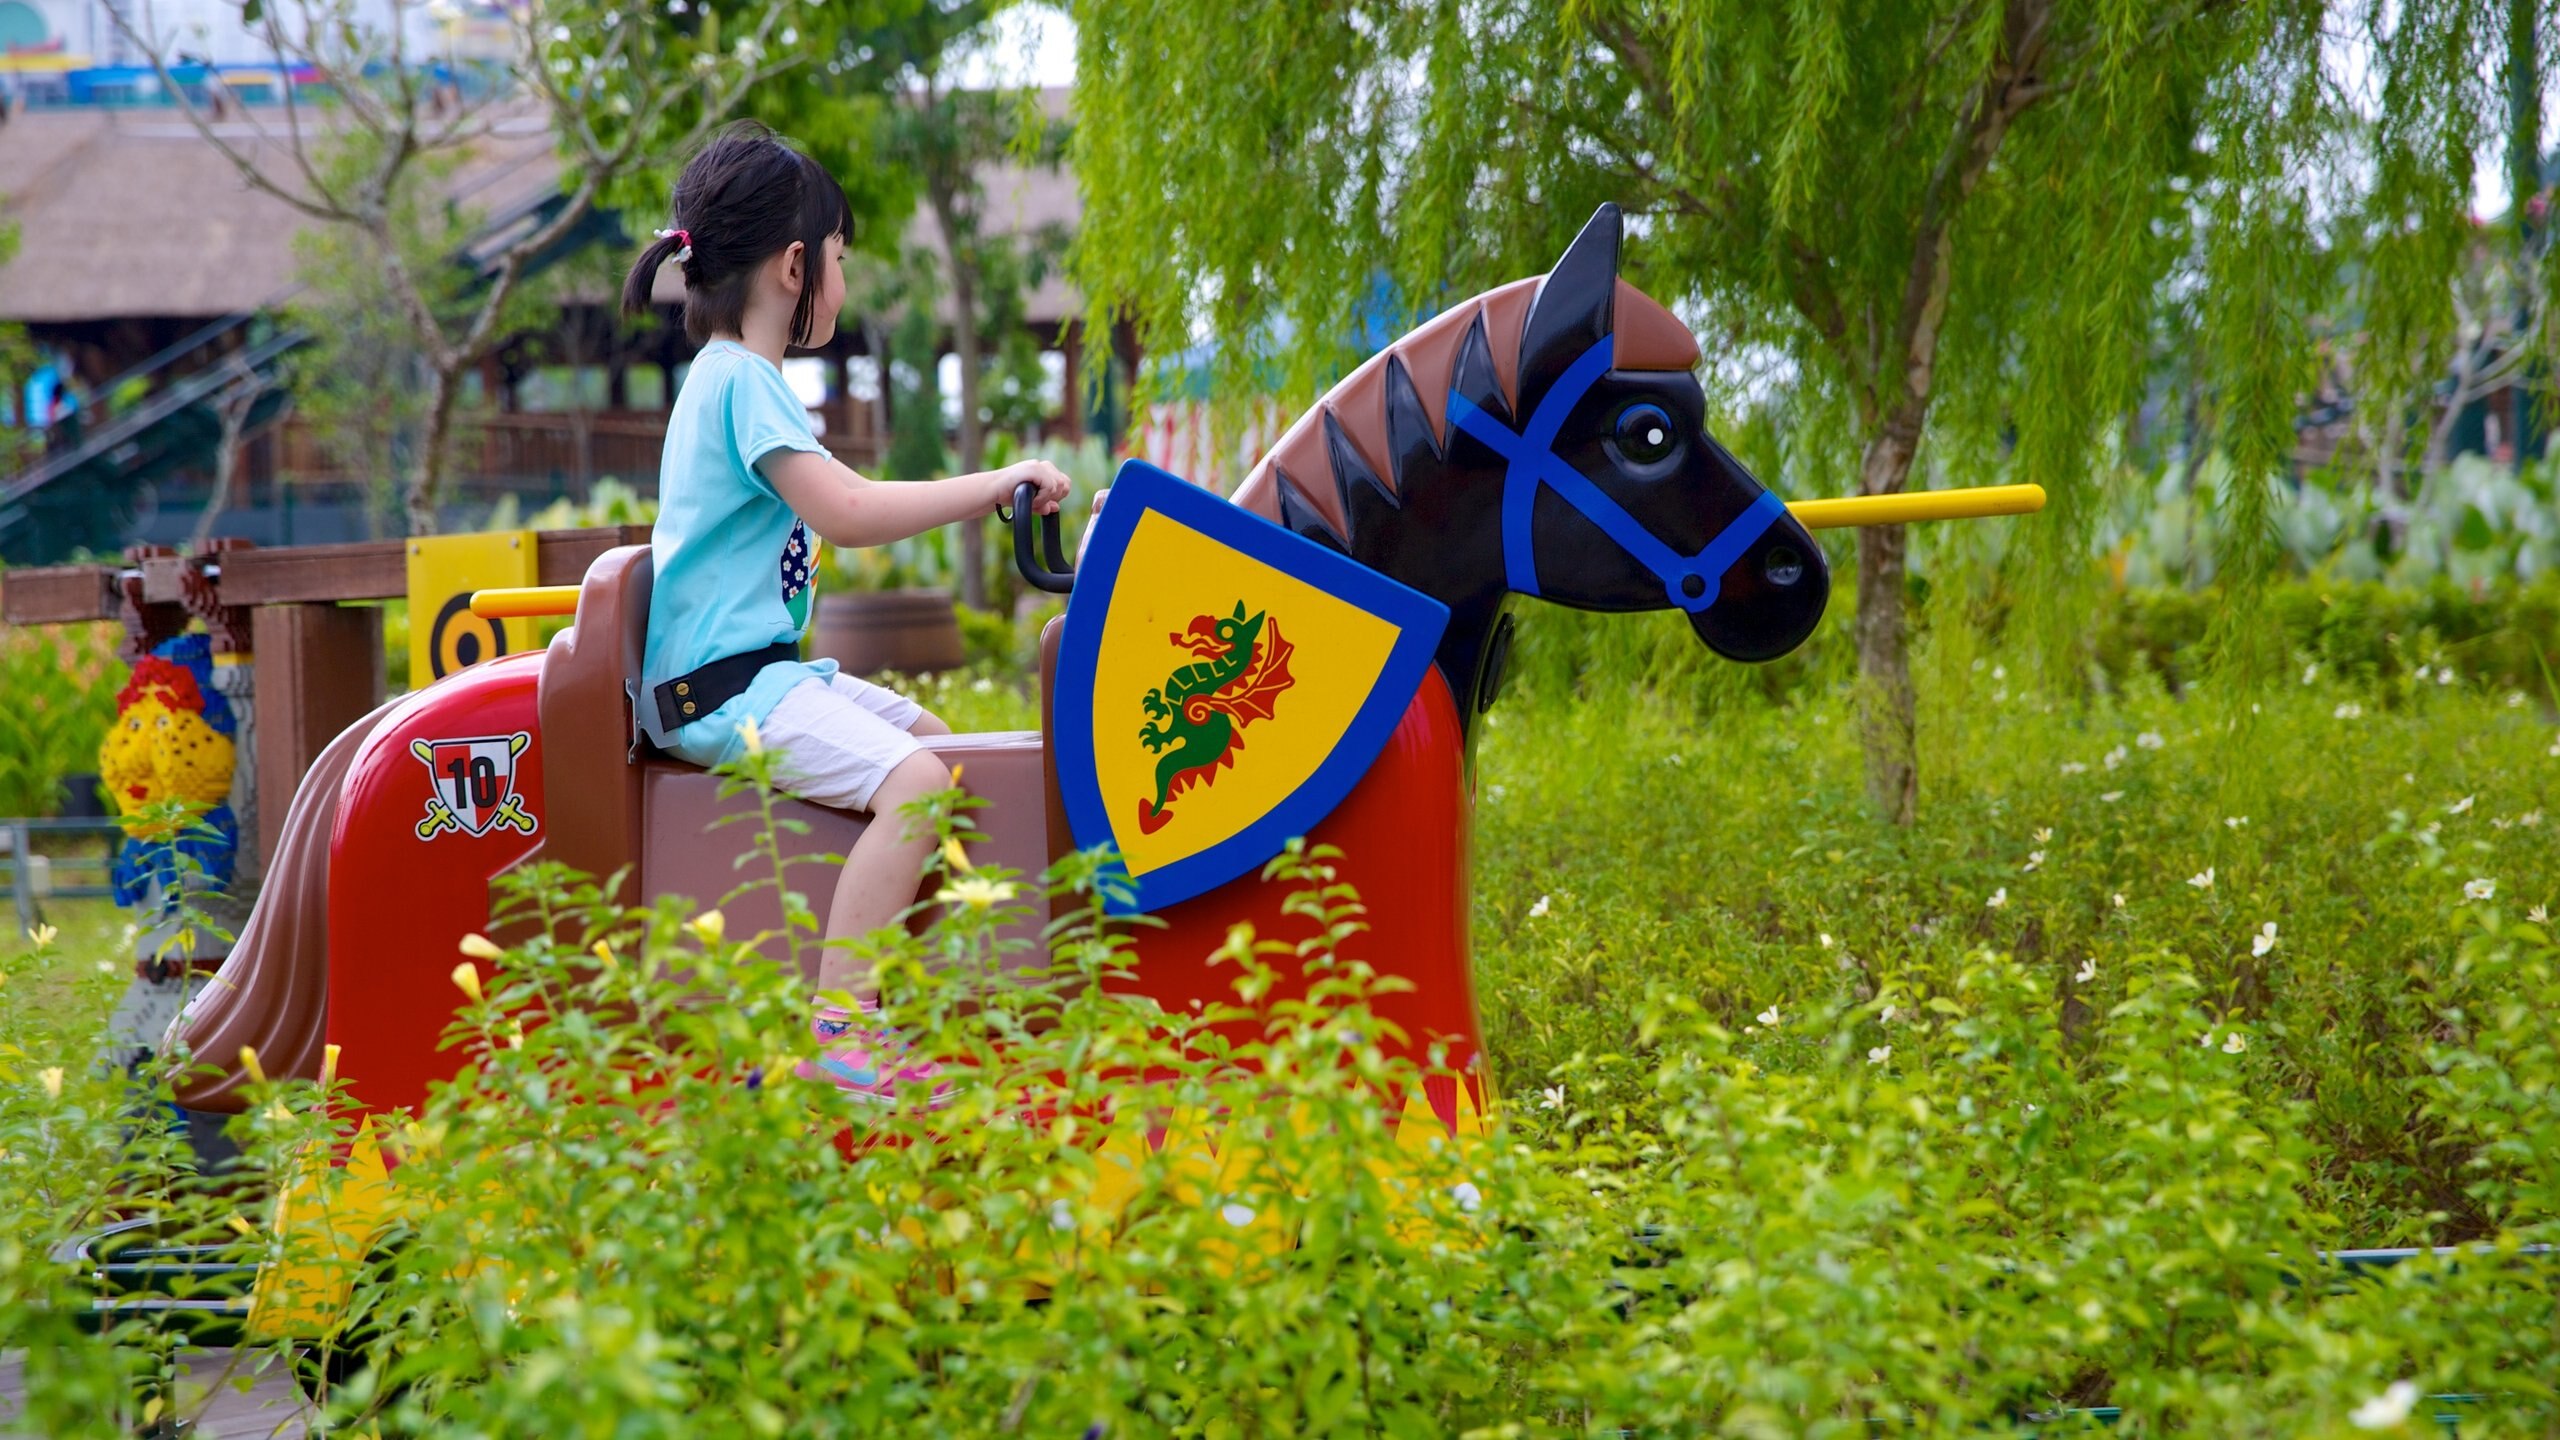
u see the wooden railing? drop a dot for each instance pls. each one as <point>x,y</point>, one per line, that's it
<point>571,446</point>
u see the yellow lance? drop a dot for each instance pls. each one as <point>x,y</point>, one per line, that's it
<point>1976,503</point>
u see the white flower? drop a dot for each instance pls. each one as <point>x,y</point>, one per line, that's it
<point>2111,797</point>
<point>1825,938</point>
<point>1236,1214</point>
<point>2408,778</point>
<point>2529,819</point>
<point>2264,940</point>
<point>1539,910</point>
<point>2115,757</point>
<point>2479,889</point>
<point>2119,899</point>
<point>2539,915</point>
<point>42,935</point>
<point>2074,767</point>
<point>2347,710</point>
<point>2424,671</point>
<point>2203,881</point>
<point>2461,805</point>
<point>1879,1054</point>
<point>1999,672</point>
<point>2088,970</point>
<point>2149,740</point>
<point>1889,1011</point>
<point>2554,751</point>
<point>1675,758</point>
<point>2445,676</point>
<point>106,967</point>
<point>2234,822</point>
<point>2034,859</point>
<point>51,1078</point>
<point>1998,898</point>
<point>1768,1016</point>
<point>2388,1410</point>
<point>2234,1043</point>
<point>1062,1216</point>
<point>2515,699</point>
<point>2207,1041</point>
<point>2044,834</point>
<point>1494,791</point>
<point>1467,1196</point>
<point>2310,673</point>
<point>1551,1098</point>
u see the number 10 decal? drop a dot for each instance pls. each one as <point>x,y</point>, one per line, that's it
<point>471,785</point>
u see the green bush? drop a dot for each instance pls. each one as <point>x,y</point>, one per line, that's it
<point>60,683</point>
<point>1812,1126</point>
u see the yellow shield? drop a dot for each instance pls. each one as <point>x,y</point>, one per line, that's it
<point>1222,683</point>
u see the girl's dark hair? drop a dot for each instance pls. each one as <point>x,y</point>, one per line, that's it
<point>742,200</point>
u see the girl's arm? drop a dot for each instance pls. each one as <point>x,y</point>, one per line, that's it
<point>847,509</point>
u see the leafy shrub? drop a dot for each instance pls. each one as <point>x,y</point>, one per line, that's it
<point>61,684</point>
<point>1812,1126</point>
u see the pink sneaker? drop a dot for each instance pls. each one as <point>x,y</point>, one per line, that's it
<point>864,1059</point>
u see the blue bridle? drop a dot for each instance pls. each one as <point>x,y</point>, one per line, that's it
<point>1533,462</point>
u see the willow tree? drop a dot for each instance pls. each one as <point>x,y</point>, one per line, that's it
<point>1953,229</point>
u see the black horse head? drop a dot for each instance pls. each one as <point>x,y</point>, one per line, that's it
<point>1599,487</point>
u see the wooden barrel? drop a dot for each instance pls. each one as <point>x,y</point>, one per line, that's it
<point>868,631</point>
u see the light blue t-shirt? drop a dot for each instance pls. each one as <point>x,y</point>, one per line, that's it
<point>733,562</point>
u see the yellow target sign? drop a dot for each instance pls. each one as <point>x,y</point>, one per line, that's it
<point>444,636</point>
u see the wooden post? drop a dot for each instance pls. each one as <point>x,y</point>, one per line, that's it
<point>319,670</point>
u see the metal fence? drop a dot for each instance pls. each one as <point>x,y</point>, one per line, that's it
<point>34,878</point>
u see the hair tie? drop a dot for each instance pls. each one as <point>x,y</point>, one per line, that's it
<point>684,239</point>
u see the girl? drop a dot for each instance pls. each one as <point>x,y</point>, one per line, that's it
<point>760,230</point>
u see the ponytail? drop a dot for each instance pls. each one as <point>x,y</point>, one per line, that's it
<point>642,283</point>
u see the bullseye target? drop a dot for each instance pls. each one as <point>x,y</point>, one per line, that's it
<point>461,638</point>
<point>444,571</point>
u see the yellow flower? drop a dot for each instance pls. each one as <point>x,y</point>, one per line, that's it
<point>243,1226</point>
<point>711,926</point>
<point>750,735</point>
<point>467,980</point>
<point>249,1062</point>
<point>955,857</point>
<point>41,936</point>
<point>328,1065</point>
<point>975,891</point>
<point>51,1077</point>
<point>480,947</point>
<point>603,954</point>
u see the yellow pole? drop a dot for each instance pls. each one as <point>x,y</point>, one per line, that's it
<point>530,601</point>
<point>1971,504</point>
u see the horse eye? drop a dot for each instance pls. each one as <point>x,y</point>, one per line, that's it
<point>1645,433</point>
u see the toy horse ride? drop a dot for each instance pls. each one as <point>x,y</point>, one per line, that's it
<point>1308,660</point>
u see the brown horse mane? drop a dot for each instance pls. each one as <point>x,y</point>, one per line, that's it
<point>1649,337</point>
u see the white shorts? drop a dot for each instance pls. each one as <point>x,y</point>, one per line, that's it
<point>839,738</point>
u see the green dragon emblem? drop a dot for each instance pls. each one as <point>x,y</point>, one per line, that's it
<point>1196,719</point>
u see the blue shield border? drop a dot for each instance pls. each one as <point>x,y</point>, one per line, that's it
<point>1139,487</point>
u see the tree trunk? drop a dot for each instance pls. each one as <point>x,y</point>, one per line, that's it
<point>427,470</point>
<point>232,409</point>
<point>1886,714</point>
<point>962,274</point>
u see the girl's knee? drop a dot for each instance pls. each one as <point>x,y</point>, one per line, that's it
<point>928,723</point>
<point>918,775</point>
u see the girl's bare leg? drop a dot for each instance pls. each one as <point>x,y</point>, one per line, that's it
<point>880,871</point>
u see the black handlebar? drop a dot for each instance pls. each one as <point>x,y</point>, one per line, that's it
<point>1053,577</point>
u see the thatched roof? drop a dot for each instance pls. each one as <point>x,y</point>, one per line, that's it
<point>132,213</point>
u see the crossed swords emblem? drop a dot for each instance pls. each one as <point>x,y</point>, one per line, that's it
<point>440,817</point>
